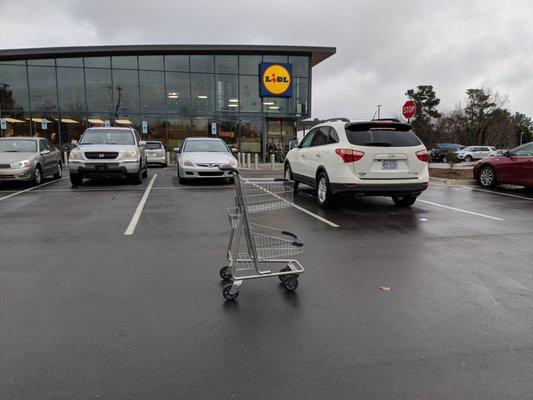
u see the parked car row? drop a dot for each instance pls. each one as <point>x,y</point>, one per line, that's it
<point>441,152</point>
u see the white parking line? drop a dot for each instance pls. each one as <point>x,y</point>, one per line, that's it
<point>138,211</point>
<point>460,210</point>
<point>501,194</point>
<point>324,220</point>
<point>32,188</point>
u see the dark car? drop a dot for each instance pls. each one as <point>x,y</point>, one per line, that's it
<point>514,167</point>
<point>439,153</point>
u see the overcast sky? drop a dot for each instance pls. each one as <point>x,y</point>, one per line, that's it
<point>383,47</point>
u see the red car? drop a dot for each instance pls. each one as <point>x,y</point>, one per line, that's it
<point>514,167</point>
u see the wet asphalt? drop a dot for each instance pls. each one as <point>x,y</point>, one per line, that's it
<point>87,312</point>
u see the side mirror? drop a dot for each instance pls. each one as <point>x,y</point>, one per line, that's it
<point>74,143</point>
<point>176,149</point>
<point>293,144</point>
<point>45,152</point>
<point>507,154</point>
<point>234,150</point>
<point>142,143</point>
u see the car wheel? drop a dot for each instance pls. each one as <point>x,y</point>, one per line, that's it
<point>323,191</point>
<point>76,180</point>
<point>404,201</point>
<point>487,177</point>
<point>138,177</point>
<point>181,181</point>
<point>164,165</point>
<point>288,175</point>
<point>59,172</point>
<point>37,176</point>
<point>469,159</point>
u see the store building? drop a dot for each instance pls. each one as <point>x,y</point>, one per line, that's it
<point>251,96</point>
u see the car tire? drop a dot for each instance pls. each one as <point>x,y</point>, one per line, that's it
<point>181,181</point>
<point>59,173</point>
<point>469,158</point>
<point>288,175</point>
<point>323,191</point>
<point>37,177</point>
<point>164,165</point>
<point>404,201</point>
<point>487,176</point>
<point>76,180</point>
<point>138,177</point>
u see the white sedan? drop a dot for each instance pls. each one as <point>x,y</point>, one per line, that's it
<point>199,158</point>
<point>472,153</point>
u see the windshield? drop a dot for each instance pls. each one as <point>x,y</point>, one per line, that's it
<point>107,137</point>
<point>362,135</point>
<point>153,145</point>
<point>195,146</point>
<point>18,146</point>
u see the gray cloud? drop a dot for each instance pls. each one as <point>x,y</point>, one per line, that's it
<point>383,47</point>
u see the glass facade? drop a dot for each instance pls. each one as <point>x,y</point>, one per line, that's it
<point>177,96</point>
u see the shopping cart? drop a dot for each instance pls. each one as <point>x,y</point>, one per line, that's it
<point>262,245</point>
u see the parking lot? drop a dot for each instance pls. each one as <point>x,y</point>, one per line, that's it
<point>112,291</point>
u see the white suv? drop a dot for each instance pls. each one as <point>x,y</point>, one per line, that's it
<point>471,153</point>
<point>367,158</point>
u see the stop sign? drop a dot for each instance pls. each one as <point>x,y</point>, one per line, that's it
<point>409,109</point>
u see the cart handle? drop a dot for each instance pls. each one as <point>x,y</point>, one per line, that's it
<point>227,167</point>
<point>298,242</point>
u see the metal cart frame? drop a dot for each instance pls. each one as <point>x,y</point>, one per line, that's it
<point>264,244</point>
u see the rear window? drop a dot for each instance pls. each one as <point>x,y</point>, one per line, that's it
<point>382,135</point>
<point>153,145</point>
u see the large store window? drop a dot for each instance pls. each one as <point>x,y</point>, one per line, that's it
<point>300,65</point>
<point>250,136</point>
<point>249,94</point>
<point>226,64</point>
<point>177,63</point>
<point>17,123</point>
<point>126,91</point>
<point>299,102</point>
<point>274,105</point>
<point>249,65</point>
<point>178,92</point>
<point>45,62</point>
<point>124,62</point>
<point>152,91</point>
<point>275,59</point>
<point>98,90</point>
<point>156,128</point>
<point>98,62</point>
<point>227,93</point>
<point>202,64</point>
<point>46,125</point>
<point>43,93</point>
<point>14,88</point>
<point>200,126</point>
<point>69,62</point>
<point>228,130</point>
<point>151,62</point>
<point>72,126</point>
<point>202,92</point>
<point>98,120</point>
<point>71,89</point>
<point>178,130</point>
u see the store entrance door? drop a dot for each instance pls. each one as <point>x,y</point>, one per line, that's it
<point>280,132</point>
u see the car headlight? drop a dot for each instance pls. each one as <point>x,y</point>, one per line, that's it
<point>233,162</point>
<point>20,164</point>
<point>186,162</point>
<point>75,154</point>
<point>131,155</point>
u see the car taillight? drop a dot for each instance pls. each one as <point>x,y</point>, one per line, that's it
<point>349,155</point>
<point>422,155</point>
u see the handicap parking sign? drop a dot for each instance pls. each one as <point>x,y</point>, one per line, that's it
<point>3,124</point>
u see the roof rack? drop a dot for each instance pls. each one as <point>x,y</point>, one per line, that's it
<point>336,119</point>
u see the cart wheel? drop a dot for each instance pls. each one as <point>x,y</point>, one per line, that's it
<point>284,269</point>
<point>225,273</point>
<point>290,283</point>
<point>227,295</point>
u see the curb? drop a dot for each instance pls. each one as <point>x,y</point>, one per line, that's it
<point>453,182</point>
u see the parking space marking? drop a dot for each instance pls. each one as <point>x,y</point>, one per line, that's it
<point>138,211</point>
<point>461,210</point>
<point>500,193</point>
<point>32,188</point>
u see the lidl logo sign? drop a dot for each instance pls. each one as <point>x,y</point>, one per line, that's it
<point>275,80</point>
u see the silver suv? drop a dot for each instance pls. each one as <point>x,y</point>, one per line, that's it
<point>108,152</point>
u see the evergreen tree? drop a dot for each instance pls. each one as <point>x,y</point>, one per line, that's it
<point>426,101</point>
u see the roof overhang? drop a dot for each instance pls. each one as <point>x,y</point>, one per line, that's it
<point>317,54</point>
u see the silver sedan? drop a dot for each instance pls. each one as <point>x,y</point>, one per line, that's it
<point>29,159</point>
<point>199,158</point>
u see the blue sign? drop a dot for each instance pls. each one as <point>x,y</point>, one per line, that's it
<point>275,80</point>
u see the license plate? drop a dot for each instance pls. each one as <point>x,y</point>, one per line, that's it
<point>390,164</point>
<point>100,167</point>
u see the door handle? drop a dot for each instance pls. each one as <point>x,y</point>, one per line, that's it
<point>302,155</point>
<point>319,155</point>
